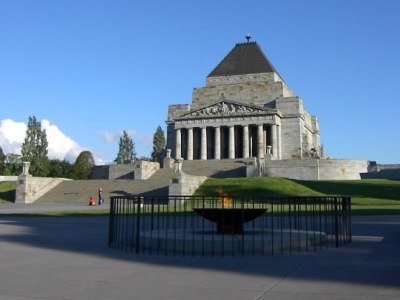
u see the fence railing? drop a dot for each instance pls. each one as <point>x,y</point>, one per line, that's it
<point>193,225</point>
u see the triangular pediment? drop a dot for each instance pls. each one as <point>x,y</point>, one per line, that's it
<point>227,108</point>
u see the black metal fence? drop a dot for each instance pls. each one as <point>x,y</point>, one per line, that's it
<point>222,226</point>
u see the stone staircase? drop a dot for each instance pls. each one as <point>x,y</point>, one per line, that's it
<point>79,191</point>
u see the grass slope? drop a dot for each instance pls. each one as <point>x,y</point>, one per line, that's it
<point>256,187</point>
<point>375,196</point>
<point>7,191</point>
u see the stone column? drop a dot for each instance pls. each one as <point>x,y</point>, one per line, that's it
<point>178,154</point>
<point>217,154</point>
<point>190,144</point>
<point>246,141</point>
<point>265,141</point>
<point>278,141</point>
<point>203,143</point>
<point>231,142</point>
<point>260,141</point>
<point>274,141</point>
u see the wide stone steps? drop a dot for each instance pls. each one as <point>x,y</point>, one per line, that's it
<point>79,191</point>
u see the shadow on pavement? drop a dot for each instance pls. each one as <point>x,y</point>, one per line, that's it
<point>372,259</point>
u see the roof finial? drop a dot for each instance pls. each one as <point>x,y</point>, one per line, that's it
<point>248,37</point>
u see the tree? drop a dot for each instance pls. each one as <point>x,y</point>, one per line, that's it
<point>126,153</point>
<point>60,168</point>
<point>2,161</point>
<point>34,148</point>
<point>158,145</point>
<point>12,165</point>
<point>83,166</point>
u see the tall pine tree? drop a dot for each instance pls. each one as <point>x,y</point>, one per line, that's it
<point>34,148</point>
<point>158,145</point>
<point>127,152</point>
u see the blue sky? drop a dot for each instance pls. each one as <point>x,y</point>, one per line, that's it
<point>90,68</point>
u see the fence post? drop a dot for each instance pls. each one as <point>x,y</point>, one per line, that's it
<point>111,223</point>
<point>138,225</point>
<point>336,222</point>
<point>346,208</point>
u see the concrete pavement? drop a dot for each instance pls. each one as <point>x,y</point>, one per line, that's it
<point>68,258</point>
<point>15,208</point>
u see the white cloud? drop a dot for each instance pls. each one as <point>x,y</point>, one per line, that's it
<point>142,141</point>
<point>60,145</point>
<point>12,135</point>
<point>109,137</point>
<point>146,140</point>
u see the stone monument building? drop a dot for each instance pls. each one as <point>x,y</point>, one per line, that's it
<point>245,110</point>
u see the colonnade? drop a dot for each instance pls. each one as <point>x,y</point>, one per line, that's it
<point>228,142</point>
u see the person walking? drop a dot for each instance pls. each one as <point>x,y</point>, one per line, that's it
<point>101,199</point>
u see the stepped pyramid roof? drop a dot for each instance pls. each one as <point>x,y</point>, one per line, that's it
<point>244,58</point>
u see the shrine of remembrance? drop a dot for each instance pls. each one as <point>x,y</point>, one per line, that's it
<point>246,111</point>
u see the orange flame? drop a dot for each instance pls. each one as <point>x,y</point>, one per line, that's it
<point>224,198</point>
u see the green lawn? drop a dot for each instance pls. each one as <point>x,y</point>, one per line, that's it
<point>374,196</point>
<point>7,191</point>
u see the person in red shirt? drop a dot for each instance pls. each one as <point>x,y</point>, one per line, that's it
<point>92,201</point>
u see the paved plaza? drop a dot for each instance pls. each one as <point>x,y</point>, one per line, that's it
<point>68,258</point>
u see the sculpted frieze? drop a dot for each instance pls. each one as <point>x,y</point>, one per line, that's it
<point>228,119</point>
<point>223,109</point>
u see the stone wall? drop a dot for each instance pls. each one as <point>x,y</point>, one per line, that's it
<point>316,169</point>
<point>8,178</point>
<point>118,171</point>
<point>101,172</point>
<point>30,188</point>
<point>290,138</point>
<point>258,93</point>
<point>145,169</point>
<point>378,171</point>
<point>184,185</point>
<point>140,170</point>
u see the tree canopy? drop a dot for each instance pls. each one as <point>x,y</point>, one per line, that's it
<point>126,153</point>
<point>12,165</point>
<point>34,148</point>
<point>60,168</point>
<point>83,166</point>
<point>158,145</point>
<point>2,160</point>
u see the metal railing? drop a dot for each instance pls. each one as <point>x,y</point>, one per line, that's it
<point>170,226</point>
